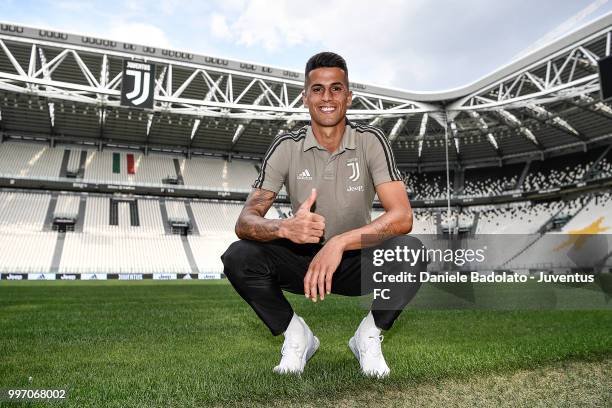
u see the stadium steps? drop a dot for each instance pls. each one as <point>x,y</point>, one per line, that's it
<point>179,173</point>
<point>57,252</point>
<point>134,215</point>
<point>459,181</point>
<point>189,254</point>
<point>438,216</point>
<point>192,219</point>
<point>541,233</point>
<point>82,162</point>
<point>164,216</point>
<point>78,226</point>
<point>64,165</point>
<point>475,223</point>
<point>519,253</point>
<point>593,169</point>
<point>113,215</point>
<point>583,206</point>
<point>545,226</point>
<point>48,224</point>
<point>524,173</point>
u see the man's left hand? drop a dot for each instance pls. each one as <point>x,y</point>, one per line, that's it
<point>322,267</point>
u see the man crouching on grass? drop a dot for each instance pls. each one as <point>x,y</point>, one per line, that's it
<point>331,169</point>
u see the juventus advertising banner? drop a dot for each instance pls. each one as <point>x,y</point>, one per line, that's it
<point>138,84</point>
<point>605,77</point>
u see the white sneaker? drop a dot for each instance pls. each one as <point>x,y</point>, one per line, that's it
<point>297,349</point>
<point>365,345</point>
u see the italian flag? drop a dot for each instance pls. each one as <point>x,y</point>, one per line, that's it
<point>117,163</point>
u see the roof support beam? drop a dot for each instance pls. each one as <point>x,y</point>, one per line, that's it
<point>541,114</point>
<point>12,59</point>
<point>241,127</point>
<point>378,120</point>
<point>196,124</point>
<point>595,105</point>
<point>516,124</point>
<point>397,129</point>
<point>194,128</point>
<point>484,130</point>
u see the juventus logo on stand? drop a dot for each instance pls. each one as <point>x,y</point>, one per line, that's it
<point>138,84</point>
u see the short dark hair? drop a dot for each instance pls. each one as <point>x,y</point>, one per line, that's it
<point>326,60</point>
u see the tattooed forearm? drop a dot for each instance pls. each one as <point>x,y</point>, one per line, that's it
<point>260,200</point>
<point>390,224</point>
<point>251,223</point>
<point>383,229</point>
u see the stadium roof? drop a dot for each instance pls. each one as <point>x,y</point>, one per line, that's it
<point>67,87</point>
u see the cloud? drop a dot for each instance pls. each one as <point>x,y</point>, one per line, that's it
<point>219,27</point>
<point>138,33</point>
<point>568,25</point>
<point>72,6</point>
<point>420,45</point>
<point>417,44</point>
<point>367,35</point>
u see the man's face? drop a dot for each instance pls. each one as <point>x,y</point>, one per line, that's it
<point>327,96</point>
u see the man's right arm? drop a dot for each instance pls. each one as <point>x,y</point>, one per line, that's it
<point>303,227</point>
<point>251,223</point>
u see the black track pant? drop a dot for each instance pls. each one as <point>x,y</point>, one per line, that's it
<point>260,271</point>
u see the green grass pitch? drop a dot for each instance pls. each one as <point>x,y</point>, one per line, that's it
<point>191,344</point>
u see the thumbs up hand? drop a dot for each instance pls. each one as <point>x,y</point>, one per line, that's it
<point>307,205</point>
<point>305,226</point>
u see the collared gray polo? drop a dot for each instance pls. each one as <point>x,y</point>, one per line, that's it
<point>345,180</point>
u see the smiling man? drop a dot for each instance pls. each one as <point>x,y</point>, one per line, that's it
<point>331,170</point>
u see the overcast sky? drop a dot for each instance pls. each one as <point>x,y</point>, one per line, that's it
<point>420,45</point>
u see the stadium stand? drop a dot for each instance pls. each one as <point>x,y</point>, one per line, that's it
<point>30,160</point>
<point>523,158</point>
<point>597,208</point>
<point>554,250</point>
<point>215,174</point>
<point>118,253</point>
<point>424,222</point>
<point>490,181</point>
<point>218,174</point>
<point>176,210</point>
<point>128,167</point>
<point>427,185</point>
<point>213,217</point>
<point>20,211</point>
<point>27,251</point>
<point>516,218</point>
<point>573,168</point>
<point>67,206</point>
